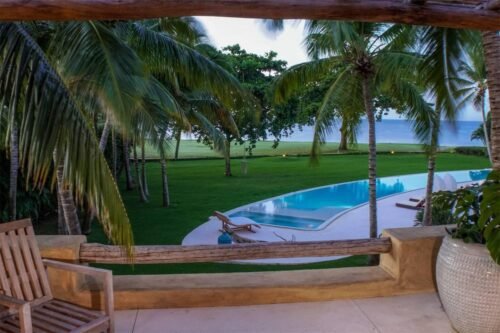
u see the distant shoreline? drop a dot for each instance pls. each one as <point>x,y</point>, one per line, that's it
<point>191,149</point>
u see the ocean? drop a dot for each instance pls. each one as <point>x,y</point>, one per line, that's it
<point>399,131</point>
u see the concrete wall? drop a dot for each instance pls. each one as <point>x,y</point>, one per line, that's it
<point>408,268</point>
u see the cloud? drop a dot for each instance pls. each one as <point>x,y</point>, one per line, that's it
<point>252,36</point>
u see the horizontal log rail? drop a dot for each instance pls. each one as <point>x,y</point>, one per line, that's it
<point>170,254</point>
<point>477,14</point>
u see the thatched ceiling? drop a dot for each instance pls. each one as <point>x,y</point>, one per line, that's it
<point>479,14</point>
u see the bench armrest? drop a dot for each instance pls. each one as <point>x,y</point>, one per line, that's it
<point>106,276</point>
<point>20,307</point>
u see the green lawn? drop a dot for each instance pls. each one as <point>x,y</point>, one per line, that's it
<point>198,187</point>
<point>192,149</point>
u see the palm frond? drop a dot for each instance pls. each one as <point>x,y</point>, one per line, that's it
<point>50,121</point>
<point>294,79</point>
<point>164,54</point>
<point>323,125</point>
<point>95,62</point>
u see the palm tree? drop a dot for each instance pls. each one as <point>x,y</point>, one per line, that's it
<point>368,60</point>
<point>14,170</point>
<point>51,123</point>
<point>141,67</point>
<point>442,51</point>
<point>491,42</point>
<point>473,86</point>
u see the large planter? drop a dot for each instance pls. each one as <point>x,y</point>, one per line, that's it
<point>468,282</point>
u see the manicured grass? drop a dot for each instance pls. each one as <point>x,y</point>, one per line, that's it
<point>193,149</point>
<point>198,187</point>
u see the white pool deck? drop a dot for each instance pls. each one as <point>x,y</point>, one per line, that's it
<point>420,313</point>
<point>354,224</point>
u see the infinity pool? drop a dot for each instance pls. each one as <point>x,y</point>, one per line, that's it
<point>314,208</point>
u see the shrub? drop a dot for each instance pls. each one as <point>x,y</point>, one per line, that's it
<point>475,151</point>
<point>441,211</point>
<point>476,211</point>
<point>31,203</point>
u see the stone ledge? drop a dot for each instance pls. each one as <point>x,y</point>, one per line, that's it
<point>408,268</point>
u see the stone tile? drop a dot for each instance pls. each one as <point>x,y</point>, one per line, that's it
<point>321,317</point>
<point>125,320</point>
<point>420,313</point>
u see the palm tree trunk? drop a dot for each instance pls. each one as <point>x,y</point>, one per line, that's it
<point>343,136</point>
<point>491,42</point>
<point>142,196</point>
<point>164,177</point>
<point>372,157</point>
<point>104,135</point>
<point>126,163</point>
<point>143,169</point>
<point>115,154</point>
<point>431,168</point>
<point>486,130</point>
<point>61,223</point>
<point>227,160</point>
<point>372,162</point>
<point>72,224</point>
<point>14,172</point>
<point>177,143</point>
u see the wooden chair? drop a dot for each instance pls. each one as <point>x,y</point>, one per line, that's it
<point>235,225</point>
<point>26,301</point>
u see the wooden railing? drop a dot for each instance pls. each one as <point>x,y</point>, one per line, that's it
<point>169,254</point>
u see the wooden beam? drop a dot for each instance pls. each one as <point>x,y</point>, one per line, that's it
<point>493,5</point>
<point>438,14</point>
<point>169,254</point>
<point>415,2</point>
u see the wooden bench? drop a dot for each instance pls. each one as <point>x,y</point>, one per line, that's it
<point>26,301</point>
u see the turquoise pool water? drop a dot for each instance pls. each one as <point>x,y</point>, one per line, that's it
<point>310,209</point>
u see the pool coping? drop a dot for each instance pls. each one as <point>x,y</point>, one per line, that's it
<point>333,218</point>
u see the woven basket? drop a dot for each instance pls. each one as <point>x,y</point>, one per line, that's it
<point>468,282</point>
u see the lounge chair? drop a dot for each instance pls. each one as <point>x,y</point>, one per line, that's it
<point>419,203</point>
<point>236,223</point>
<point>450,182</point>
<point>26,301</point>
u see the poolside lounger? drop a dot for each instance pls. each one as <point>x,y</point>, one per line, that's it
<point>419,203</point>
<point>236,223</point>
<point>450,182</point>
<point>412,204</point>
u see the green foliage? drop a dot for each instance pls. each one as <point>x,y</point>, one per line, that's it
<point>476,211</point>
<point>31,202</point>
<point>53,127</point>
<point>441,210</point>
<point>475,151</point>
<point>478,133</point>
<point>255,73</point>
<point>489,220</point>
<point>197,188</point>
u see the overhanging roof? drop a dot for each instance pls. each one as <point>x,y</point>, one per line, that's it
<point>478,14</point>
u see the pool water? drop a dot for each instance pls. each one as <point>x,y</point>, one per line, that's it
<point>312,208</point>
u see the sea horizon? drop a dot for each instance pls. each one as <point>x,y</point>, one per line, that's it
<point>398,131</point>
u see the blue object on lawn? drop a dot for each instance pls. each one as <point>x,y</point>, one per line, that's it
<point>225,238</point>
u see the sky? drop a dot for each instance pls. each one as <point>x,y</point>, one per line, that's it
<point>253,37</point>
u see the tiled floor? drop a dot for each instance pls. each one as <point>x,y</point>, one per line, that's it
<point>401,314</point>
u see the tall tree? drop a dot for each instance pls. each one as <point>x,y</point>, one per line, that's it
<point>368,60</point>
<point>256,117</point>
<point>443,52</point>
<point>51,121</point>
<point>473,87</point>
<point>14,171</point>
<point>491,42</point>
